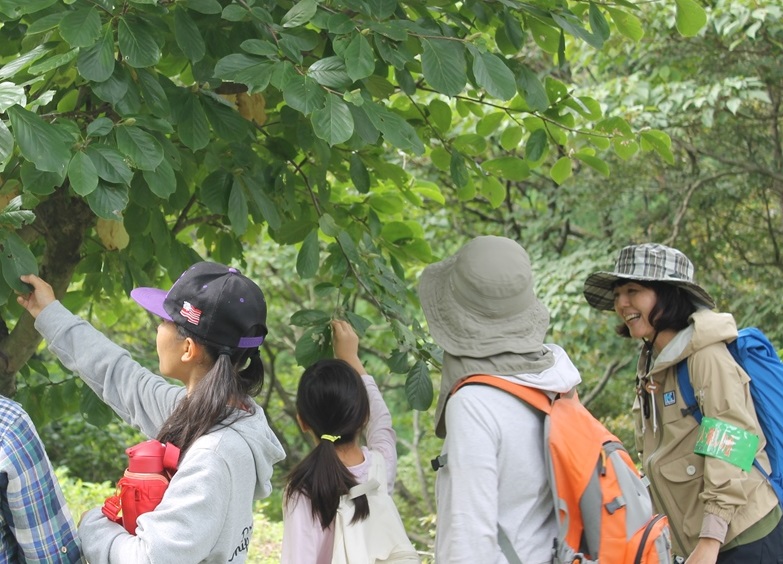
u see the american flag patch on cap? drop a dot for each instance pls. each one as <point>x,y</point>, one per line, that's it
<point>192,314</point>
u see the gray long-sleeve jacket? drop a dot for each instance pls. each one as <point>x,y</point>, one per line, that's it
<point>206,514</point>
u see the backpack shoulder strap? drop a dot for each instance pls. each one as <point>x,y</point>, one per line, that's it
<point>532,396</point>
<point>686,389</point>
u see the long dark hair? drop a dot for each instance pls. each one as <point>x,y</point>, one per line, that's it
<point>235,374</point>
<point>331,400</point>
<point>673,307</point>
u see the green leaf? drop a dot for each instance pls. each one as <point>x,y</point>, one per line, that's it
<point>381,9</point>
<point>6,145</point>
<point>11,94</point>
<point>440,115</point>
<point>51,63</point>
<point>139,49</point>
<point>418,387</point>
<point>334,122</point>
<point>598,22</point>
<point>100,127</point>
<point>330,72</point>
<point>188,36</point>
<point>193,127</point>
<point>209,7</point>
<point>691,17</point>
<point>301,13</point>
<point>359,58</point>
<point>311,346</point>
<point>510,168</point>
<point>94,410</point>
<point>359,174</point>
<point>537,143</point>
<point>545,36</point>
<point>265,205</point>
<point>307,260</point>
<point>16,259</point>
<point>259,47</point>
<point>627,24</point>
<point>494,76</point>
<point>361,324</point>
<point>443,64</point>
<point>459,170</point>
<point>237,208</point>
<point>396,231</point>
<point>561,170</point>
<point>570,23</point>
<point>309,317</point>
<point>14,216</point>
<point>470,144</point>
<point>110,164</point>
<point>153,93</point>
<point>108,200</point>
<point>17,8</point>
<point>387,203</point>
<point>594,162</point>
<point>162,181</point>
<point>39,182</point>
<point>82,174</point>
<point>244,69</point>
<point>235,13</point>
<point>304,94</point>
<point>81,28</point>
<point>511,137</point>
<point>488,125</point>
<point>39,141</point>
<point>97,62</point>
<point>19,63</point>
<point>624,147</point>
<point>660,142</point>
<point>493,190</point>
<point>141,148</point>
<point>394,128</point>
<point>115,88</point>
<point>532,89</point>
<point>45,23</point>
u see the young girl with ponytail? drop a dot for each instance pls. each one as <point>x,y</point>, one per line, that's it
<point>336,402</point>
<point>213,320</point>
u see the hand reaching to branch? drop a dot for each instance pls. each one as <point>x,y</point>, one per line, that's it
<point>345,342</point>
<point>41,296</point>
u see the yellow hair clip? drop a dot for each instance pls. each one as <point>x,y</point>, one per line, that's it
<point>332,438</point>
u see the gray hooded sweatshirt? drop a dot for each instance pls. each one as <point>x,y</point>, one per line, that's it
<point>206,514</point>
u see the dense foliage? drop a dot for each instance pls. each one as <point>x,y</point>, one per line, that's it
<point>334,148</point>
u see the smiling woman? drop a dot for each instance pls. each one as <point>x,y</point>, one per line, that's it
<point>720,511</point>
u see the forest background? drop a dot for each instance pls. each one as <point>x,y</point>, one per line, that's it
<point>332,149</point>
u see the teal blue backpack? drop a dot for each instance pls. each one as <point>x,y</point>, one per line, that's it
<point>756,355</point>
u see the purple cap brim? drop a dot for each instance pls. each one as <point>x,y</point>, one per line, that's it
<point>151,299</point>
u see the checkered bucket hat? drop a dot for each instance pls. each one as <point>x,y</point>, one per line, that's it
<point>647,262</point>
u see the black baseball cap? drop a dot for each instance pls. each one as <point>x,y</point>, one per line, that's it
<point>215,302</point>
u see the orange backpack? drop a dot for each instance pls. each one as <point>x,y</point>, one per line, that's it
<point>604,509</point>
<point>151,464</point>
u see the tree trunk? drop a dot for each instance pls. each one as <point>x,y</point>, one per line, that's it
<point>62,222</point>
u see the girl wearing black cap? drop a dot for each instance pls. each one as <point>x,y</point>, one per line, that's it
<point>720,508</point>
<point>213,321</point>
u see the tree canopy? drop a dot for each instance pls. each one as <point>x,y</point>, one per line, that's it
<point>144,134</point>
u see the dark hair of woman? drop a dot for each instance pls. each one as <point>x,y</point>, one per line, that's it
<point>331,400</point>
<point>673,307</point>
<point>235,374</point>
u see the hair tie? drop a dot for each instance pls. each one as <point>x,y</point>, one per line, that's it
<point>224,351</point>
<point>331,438</point>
